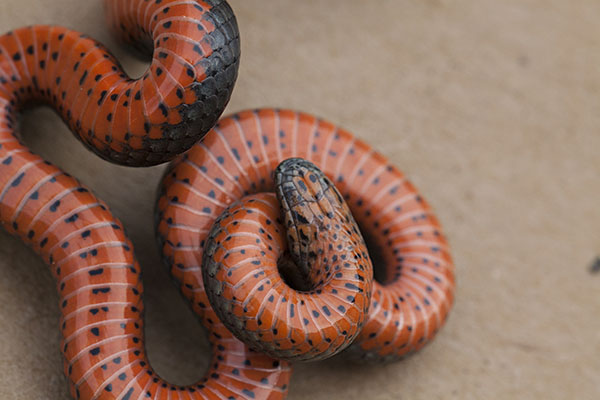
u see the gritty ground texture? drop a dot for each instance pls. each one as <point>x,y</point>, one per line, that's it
<point>491,108</point>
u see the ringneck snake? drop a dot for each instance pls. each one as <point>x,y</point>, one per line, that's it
<point>165,112</point>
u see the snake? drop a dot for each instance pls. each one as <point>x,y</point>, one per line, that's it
<point>153,119</point>
<point>135,122</point>
<point>280,270</point>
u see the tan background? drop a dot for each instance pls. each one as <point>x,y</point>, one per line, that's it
<point>491,107</point>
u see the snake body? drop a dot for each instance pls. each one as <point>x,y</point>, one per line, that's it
<point>212,215</point>
<point>136,122</point>
<point>241,267</point>
<point>239,157</point>
<point>133,122</point>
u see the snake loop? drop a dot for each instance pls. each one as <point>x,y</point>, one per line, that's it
<point>238,158</point>
<point>241,276</point>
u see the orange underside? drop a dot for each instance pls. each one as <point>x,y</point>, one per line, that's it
<point>97,276</point>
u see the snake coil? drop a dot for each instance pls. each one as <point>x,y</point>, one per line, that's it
<point>240,157</point>
<point>221,232</point>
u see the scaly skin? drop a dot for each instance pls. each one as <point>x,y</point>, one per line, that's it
<point>241,274</point>
<point>134,122</point>
<point>239,157</point>
<point>138,122</point>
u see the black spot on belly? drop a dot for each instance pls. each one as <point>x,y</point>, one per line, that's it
<point>17,181</point>
<point>128,394</point>
<point>96,271</point>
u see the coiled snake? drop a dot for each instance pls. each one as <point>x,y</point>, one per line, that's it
<point>312,313</point>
